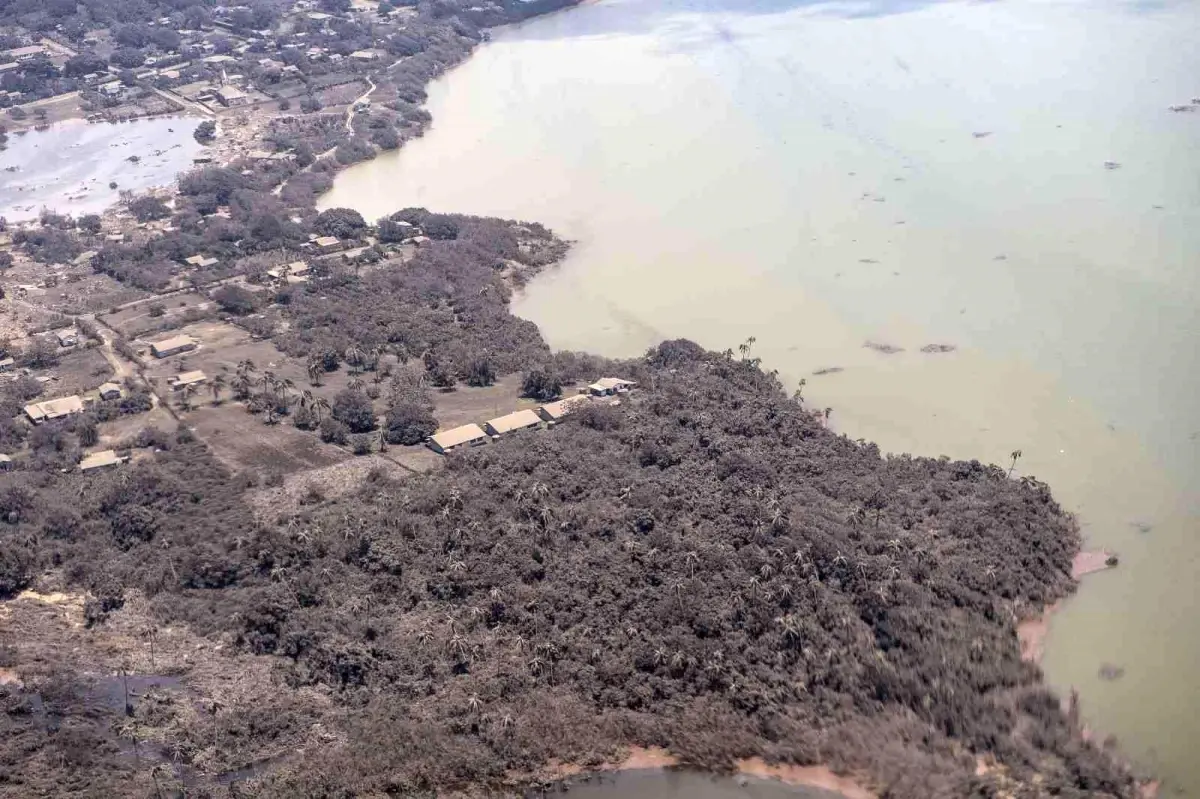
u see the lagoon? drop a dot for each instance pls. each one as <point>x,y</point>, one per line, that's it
<point>68,167</point>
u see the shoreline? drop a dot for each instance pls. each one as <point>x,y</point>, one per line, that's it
<point>657,759</point>
<point>1033,631</point>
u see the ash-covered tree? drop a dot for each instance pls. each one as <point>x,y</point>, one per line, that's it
<point>409,422</point>
<point>353,408</point>
<point>541,384</point>
<point>344,223</point>
<point>480,372</point>
<point>236,300</point>
<point>148,208</point>
<point>205,132</point>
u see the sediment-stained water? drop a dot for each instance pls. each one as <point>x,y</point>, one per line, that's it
<point>68,167</point>
<point>1006,179</point>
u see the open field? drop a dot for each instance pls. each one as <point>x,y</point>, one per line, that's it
<point>124,428</point>
<point>78,371</point>
<point>467,404</point>
<point>243,442</point>
<point>138,320</point>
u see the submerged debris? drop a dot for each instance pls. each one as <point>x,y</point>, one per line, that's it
<point>936,348</point>
<point>1110,672</point>
<point>1112,165</point>
<point>828,370</point>
<point>886,349</point>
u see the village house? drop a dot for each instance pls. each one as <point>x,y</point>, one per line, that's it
<point>608,386</point>
<point>100,460</point>
<point>365,55</point>
<point>67,337</point>
<point>110,391</point>
<point>6,364</point>
<point>172,346</point>
<point>509,423</point>
<point>185,379</point>
<point>468,435</point>
<point>23,53</point>
<point>230,96</point>
<point>201,261</point>
<point>5,463</point>
<point>555,411</point>
<point>327,244</point>
<point>50,410</point>
<point>295,272</point>
<point>9,67</point>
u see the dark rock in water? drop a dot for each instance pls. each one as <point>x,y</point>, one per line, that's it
<point>1111,561</point>
<point>936,348</point>
<point>829,370</point>
<point>1111,165</point>
<point>1110,672</point>
<point>886,349</point>
<point>741,780</point>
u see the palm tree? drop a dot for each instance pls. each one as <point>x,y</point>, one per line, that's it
<point>356,358</point>
<point>319,404</point>
<point>790,627</point>
<point>799,395</point>
<point>1016,456</point>
<point>691,559</point>
<point>241,386</point>
<point>828,411</point>
<point>185,396</point>
<point>355,384</point>
<point>744,348</point>
<point>216,385</point>
<point>315,369</point>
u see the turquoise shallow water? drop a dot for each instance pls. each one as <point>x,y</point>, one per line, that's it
<point>1005,178</point>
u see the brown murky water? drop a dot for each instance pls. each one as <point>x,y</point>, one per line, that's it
<point>1003,178</point>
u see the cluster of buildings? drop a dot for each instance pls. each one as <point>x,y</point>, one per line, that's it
<point>470,435</point>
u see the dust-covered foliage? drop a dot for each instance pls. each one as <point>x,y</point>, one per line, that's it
<point>705,567</point>
<point>450,301</point>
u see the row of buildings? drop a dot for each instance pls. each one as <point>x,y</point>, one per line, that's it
<point>470,435</point>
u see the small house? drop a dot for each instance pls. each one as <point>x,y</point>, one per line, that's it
<point>608,386</point>
<point>7,364</point>
<point>100,460</point>
<point>201,261</point>
<point>22,53</point>
<point>110,391</point>
<point>328,243</point>
<point>231,96</point>
<point>185,379</point>
<point>468,435</point>
<point>172,346</point>
<point>510,423</point>
<point>5,463</point>
<point>556,411</point>
<point>67,337</point>
<point>365,55</point>
<point>50,410</point>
